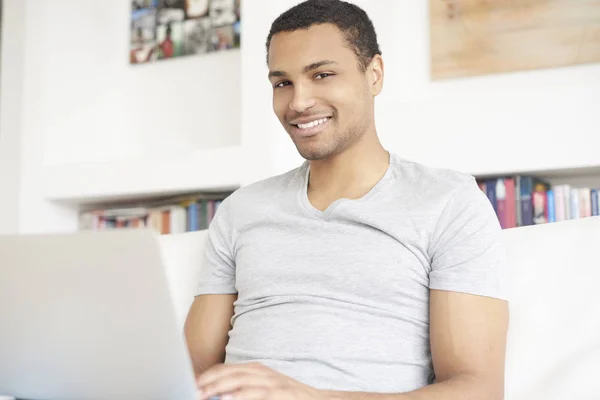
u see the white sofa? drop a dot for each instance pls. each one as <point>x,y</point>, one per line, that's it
<point>554,335</point>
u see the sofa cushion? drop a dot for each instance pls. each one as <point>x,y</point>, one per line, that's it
<point>554,323</point>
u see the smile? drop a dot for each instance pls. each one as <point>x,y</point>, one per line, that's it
<point>310,128</point>
<point>312,124</point>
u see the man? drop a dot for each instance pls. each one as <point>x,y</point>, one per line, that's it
<point>359,273</point>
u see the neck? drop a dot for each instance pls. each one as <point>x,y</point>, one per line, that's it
<point>352,172</point>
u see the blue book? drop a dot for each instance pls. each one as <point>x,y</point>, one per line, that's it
<point>526,200</point>
<point>490,191</point>
<point>595,200</point>
<point>575,209</point>
<point>551,206</point>
<point>193,217</point>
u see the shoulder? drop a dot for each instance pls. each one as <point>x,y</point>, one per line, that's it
<point>261,195</point>
<point>432,184</point>
<point>451,201</point>
<point>435,198</point>
<point>267,188</point>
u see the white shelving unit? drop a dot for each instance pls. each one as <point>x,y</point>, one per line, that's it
<point>80,184</point>
<point>575,176</point>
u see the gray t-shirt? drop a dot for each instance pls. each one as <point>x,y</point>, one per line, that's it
<point>340,299</point>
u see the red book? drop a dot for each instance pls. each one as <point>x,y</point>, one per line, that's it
<point>511,203</point>
<point>501,202</point>
<point>481,186</point>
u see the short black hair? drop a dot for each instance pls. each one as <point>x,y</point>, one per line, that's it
<point>352,20</point>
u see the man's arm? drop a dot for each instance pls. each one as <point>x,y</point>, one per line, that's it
<point>207,329</point>
<point>468,346</point>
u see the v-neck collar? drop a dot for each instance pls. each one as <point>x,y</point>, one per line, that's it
<point>325,214</point>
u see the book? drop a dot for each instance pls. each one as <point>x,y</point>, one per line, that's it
<point>523,200</point>
<point>575,204</point>
<point>519,210</point>
<point>167,216</point>
<point>490,190</point>
<point>551,209</point>
<point>585,202</point>
<point>511,216</point>
<point>500,195</point>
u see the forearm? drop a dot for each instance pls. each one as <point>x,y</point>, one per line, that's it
<point>203,359</point>
<point>205,349</point>
<point>206,330</point>
<point>456,388</point>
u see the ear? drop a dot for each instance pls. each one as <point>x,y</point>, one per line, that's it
<point>375,74</point>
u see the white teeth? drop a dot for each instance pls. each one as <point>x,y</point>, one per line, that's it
<point>312,124</point>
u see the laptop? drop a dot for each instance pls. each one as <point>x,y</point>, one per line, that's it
<point>89,315</point>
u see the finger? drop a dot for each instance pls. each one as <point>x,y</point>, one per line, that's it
<point>236,382</point>
<point>222,370</point>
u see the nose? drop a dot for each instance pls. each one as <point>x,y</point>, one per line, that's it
<point>302,100</point>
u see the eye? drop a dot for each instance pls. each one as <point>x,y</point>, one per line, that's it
<point>323,75</point>
<point>281,84</point>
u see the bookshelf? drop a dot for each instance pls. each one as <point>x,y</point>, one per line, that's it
<point>167,215</point>
<point>169,194</point>
<point>581,174</point>
<point>522,198</point>
<point>87,184</point>
<point>588,176</point>
<point>144,182</point>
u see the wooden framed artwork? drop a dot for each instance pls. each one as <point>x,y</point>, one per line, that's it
<point>479,37</point>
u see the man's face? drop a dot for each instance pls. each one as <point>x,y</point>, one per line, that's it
<point>320,95</point>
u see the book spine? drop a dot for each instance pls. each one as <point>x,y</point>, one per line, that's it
<point>575,211</point>
<point>192,217</point>
<point>585,202</point>
<point>165,223</point>
<point>501,211</point>
<point>567,194</point>
<point>559,203</point>
<point>490,191</point>
<point>518,200</point>
<point>526,200</point>
<point>511,202</point>
<point>551,206</point>
<point>204,214</point>
<point>539,207</point>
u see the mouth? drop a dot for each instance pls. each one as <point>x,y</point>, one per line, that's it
<point>310,128</point>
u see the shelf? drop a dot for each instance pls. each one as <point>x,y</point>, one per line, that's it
<point>211,170</point>
<point>580,176</point>
<point>581,171</point>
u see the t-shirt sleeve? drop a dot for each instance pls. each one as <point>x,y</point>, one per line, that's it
<point>467,250</point>
<point>217,272</point>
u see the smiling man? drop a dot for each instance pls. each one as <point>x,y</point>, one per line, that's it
<point>359,274</point>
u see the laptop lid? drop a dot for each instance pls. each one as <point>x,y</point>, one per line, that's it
<point>89,316</point>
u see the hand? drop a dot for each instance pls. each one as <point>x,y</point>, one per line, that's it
<point>252,381</point>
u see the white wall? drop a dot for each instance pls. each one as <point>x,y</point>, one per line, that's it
<point>11,85</point>
<point>259,127</point>
<point>97,107</point>
<point>83,102</point>
<point>488,124</point>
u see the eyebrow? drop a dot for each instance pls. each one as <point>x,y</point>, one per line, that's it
<point>308,68</point>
